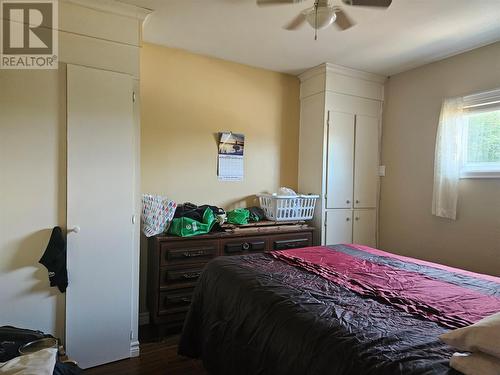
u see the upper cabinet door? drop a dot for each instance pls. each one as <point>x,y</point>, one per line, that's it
<point>366,162</point>
<point>339,185</point>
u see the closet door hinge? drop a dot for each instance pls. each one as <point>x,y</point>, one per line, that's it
<point>133,96</point>
<point>328,118</point>
<point>326,219</point>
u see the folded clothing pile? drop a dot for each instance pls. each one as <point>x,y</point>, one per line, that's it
<point>195,212</point>
<point>192,220</point>
<point>41,362</point>
<point>481,342</point>
<point>242,216</point>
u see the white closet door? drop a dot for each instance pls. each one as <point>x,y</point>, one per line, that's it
<point>338,227</point>
<point>100,203</point>
<point>340,160</point>
<point>364,227</point>
<point>366,162</point>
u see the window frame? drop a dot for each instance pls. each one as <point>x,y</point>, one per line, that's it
<point>479,171</point>
<point>488,101</point>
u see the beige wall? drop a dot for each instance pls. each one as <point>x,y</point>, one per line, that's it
<point>411,112</point>
<point>187,99</point>
<point>32,194</point>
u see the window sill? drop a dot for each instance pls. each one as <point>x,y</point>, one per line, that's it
<point>479,174</point>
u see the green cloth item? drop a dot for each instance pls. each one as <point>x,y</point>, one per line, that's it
<point>187,227</point>
<point>238,216</point>
<point>253,216</point>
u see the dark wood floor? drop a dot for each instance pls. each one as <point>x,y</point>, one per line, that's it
<point>157,358</point>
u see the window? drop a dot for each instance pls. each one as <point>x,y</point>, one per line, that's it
<point>481,140</point>
<point>467,146</point>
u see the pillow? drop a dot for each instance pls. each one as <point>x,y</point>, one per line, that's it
<point>475,364</point>
<point>483,336</point>
<point>41,362</point>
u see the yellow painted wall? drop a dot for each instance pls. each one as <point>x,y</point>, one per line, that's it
<point>186,99</point>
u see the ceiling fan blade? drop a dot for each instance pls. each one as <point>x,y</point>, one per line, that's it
<point>296,22</point>
<point>369,3</point>
<point>343,22</point>
<point>277,2</point>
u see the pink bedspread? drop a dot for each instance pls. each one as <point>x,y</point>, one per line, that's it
<point>381,275</point>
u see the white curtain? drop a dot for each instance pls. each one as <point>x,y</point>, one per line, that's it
<point>448,158</point>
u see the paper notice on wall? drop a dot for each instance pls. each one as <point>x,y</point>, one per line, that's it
<point>230,159</point>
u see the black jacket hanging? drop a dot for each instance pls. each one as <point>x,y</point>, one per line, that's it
<point>54,259</point>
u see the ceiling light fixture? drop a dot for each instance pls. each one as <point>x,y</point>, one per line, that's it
<point>323,13</point>
<point>320,18</point>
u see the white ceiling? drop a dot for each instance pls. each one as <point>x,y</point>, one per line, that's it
<point>408,34</point>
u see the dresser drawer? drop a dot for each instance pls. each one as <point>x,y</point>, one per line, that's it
<point>175,301</point>
<point>173,276</point>
<point>284,242</point>
<point>192,251</point>
<point>174,321</point>
<point>176,264</point>
<point>243,245</point>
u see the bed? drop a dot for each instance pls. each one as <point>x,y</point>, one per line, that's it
<point>343,309</point>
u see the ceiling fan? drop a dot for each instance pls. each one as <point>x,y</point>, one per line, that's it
<point>323,14</point>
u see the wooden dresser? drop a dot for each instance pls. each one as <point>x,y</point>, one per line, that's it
<point>175,264</point>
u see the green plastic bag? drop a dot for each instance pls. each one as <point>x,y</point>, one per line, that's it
<point>238,216</point>
<point>187,227</point>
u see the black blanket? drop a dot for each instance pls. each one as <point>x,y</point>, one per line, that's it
<point>258,315</point>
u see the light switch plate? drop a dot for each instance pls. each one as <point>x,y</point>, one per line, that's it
<point>381,170</point>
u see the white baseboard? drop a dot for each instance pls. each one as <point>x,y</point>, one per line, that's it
<point>143,318</point>
<point>134,349</point>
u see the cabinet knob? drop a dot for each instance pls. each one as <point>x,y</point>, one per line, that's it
<point>357,201</point>
<point>357,218</point>
<point>348,201</point>
<point>347,219</point>
<point>246,246</point>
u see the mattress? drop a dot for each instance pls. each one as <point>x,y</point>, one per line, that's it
<point>344,309</point>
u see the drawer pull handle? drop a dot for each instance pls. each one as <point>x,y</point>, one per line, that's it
<point>174,300</point>
<point>191,275</point>
<point>191,254</point>
<point>245,246</point>
<point>290,244</point>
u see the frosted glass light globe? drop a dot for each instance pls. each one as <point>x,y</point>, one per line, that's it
<point>324,18</point>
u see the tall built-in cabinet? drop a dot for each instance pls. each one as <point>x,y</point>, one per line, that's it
<point>340,125</point>
<point>99,44</point>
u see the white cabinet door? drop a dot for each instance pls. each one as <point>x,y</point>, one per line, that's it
<point>366,162</point>
<point>364,227</point>
<point>100,202</point>
<point>340,160</point>
<point>338,227</point>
